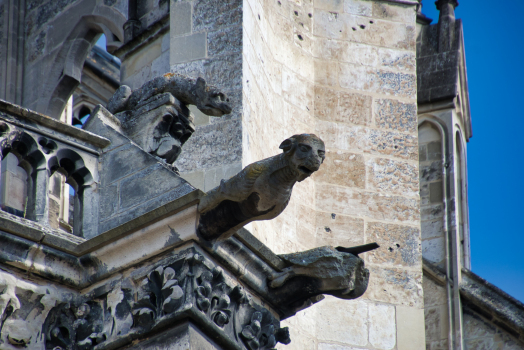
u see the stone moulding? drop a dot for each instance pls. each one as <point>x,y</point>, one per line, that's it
<point>185,286</point>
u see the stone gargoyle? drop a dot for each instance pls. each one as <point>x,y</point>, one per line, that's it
<point>261,191</point>
<point>323,270</point>
<point>156,117</point>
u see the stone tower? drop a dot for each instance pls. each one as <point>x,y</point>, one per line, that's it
<point>383,87</point>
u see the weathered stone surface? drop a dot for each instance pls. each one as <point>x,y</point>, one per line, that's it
<point>333,322</point>
<point>410,328</point>
<point>224,41</point>
<point>394,12</point>
<point>396,115</point>
<point>188,48</point>
<point>376,80</point>
<point>216,14</point>
<point>434,250</point>
<point>339,230</point>
<point>367,204</point>
<point>396,286</point>
<point>389,176</point>
<point>340,106</point>
<point>151,181</point>
<point>399,245</point>
<point>343,169</point>
<point>382,327</point>
<point>180,18</point>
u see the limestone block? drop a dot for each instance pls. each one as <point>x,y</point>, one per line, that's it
<point>180,18</point>
<point>326,72</point>
<point>212,146</point>
<point>436,320</point>
<point>378,142</point>
<point>124,161</point>
<point>216,14</point>
<point>330,5</point>
<point>329,25</point>
<point>160,65</point>
<point>353,202</point>
<point>390,176</point>
<point>224,41</point>
<point>377,80</point>
<point>399,245</point>
<point>434,150</point>
<point>394,12</point>
<point>296,90</point>
<point>395,286</point>
<point>337,316</point>
<point>291,57</point>
<point>432,228</point>
<point>410,328</point>
<point>434,250</point>
<point>358,7</point>
<point>343,169</point>
<point>396,59</point>
<point>436,194</point>
<point>382,327</point>
<point>338,230</point>
<point>431,172</point>
<point>135,81</point>
<point>188,48</point>
<point>141,58</point>
<point>108,201</point>
<point>396,115</point>
<point>341,106</point>
<point>147,183</point>
<point>432,211</point>
<point>434,293</point>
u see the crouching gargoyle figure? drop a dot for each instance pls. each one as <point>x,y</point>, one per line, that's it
<point>324,270</point>
<point>156,117</point>
<point>261,191</point>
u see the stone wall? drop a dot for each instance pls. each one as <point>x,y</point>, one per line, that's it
<point>346,72</point>
<point>206,41</point>
<point>57,38</point>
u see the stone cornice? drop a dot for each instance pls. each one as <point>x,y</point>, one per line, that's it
<point>27,115</point>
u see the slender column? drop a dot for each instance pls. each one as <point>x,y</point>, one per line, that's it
<point>40,193</point>
<point>446,24</point>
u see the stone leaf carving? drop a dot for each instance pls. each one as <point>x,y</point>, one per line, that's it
<point>163,295</point>
<point>260,334</point>
<point>156,117</point>
<point>81,325</point>
<point>261,191</point>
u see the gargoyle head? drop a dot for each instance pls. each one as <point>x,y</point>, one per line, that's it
<point>305,153</point>
<point>210,100</point>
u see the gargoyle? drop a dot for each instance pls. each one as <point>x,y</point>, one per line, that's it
<point>261,191</point>
<point>323,270</point>
<point>156,116</point>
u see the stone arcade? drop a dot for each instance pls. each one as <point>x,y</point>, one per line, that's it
<point>99,243</point>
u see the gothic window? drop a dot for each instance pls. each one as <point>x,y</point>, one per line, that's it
<point>13,186</point>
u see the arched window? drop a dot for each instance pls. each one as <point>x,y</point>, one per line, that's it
<point>13,186</point>
<point>69,171</point>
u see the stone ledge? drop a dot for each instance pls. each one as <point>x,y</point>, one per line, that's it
<point>54,124</point>
<point>486,299</point>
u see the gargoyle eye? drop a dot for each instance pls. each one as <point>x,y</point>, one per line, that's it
<point>321,154</point>
<point>304,148</point>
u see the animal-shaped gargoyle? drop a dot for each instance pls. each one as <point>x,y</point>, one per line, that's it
<point>261,191</point>
<point>156,117</point>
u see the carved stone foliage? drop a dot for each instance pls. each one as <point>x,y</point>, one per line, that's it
<point>83,325</point>
<point>191,287</point>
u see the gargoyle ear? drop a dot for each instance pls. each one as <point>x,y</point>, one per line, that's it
<point>200,82</point>
<point>287,144</point>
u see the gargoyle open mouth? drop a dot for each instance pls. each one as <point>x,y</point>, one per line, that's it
<point>305,170</point>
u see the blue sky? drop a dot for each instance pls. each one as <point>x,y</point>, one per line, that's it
<point>494,39</point>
